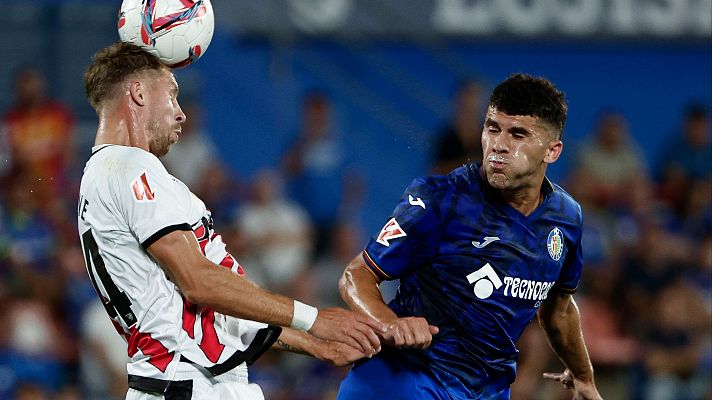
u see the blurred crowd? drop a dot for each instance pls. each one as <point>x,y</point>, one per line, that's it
<point>646,293</point>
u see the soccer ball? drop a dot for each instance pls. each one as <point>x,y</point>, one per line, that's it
<point>176,31</point>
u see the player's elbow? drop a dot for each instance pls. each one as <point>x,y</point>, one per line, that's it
<point>193,295</point>
<point>346,284</point>
<point>193,291</point>
<point>196,288</point>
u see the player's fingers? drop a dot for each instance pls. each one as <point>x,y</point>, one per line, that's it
<point>363,341</point>
<point>408,337</point>
<point>375,342</point>
<point>395,334</point>
<point>377,326</point>
<point>421,333</point>
<point>433,329</point>
<point>554,376</point>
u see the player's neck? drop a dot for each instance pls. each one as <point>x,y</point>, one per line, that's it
<point>122,129</point>
<point>525,200</point>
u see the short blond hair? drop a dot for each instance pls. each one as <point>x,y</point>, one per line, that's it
<point>112,65</point>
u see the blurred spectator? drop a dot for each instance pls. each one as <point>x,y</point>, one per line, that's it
<point>535,357</point>
<point>40,135</point>
<point>32,345</point>
<point>103,356</point>
<point>686,158</point>
<point>194,155</point>
<point>318,171</point>
<point>5,154</point>
<point>458,142</point>
<point>275,235</point>
<point>347,240</point>
<point>690,152</point>
<point>610,158</point>
<point>194,160</point>
<point>678,352</point>
<point>30,269</point>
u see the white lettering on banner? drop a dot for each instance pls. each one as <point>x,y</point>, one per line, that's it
<point>701,17</point>
<point>463,16</point>
<point>578,17</point>
<point>665,18</point>
<point>319,15</point>
<point>622,17</point>
<point>525,17</point>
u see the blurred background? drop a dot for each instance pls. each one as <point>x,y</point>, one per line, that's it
<point>306,121</point>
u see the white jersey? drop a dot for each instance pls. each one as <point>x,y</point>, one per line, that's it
<point>128,201</point>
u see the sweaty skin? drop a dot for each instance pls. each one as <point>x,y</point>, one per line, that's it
<point>517,150</point>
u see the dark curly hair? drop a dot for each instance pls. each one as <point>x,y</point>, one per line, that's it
<point>523,94</point>
<point>111,66</point>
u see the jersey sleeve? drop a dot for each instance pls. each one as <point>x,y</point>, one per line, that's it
<point>573,265</point>
<point>409,237</point>
<point>148,199</point>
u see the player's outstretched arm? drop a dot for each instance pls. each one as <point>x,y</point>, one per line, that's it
<point>202,282</point>
<point>300,342</point>
<point>359,289</point>
<point>559,316</point>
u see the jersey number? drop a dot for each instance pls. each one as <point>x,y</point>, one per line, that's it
<point>209,344</point>
<point>118,304</point>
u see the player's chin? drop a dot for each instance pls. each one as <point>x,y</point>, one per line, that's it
<point>498,181</point>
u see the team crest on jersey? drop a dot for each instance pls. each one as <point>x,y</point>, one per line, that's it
<point>141,189</point>
<point>555,244</point>
<point>391,231</point>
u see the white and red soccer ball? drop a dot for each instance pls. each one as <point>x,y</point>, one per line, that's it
<point>178,32</point>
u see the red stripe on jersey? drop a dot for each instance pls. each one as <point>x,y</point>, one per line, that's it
<point>199,232</point>
<point>157,353</point>
<point>228,261</point>
<point>210,344</point>
<point>374,267</point>
<point>189,311</point>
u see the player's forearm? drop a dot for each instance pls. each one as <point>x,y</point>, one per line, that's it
<point>359,289</point>
<point>231,294</point>
<point>563,329</point>
<point>205,283</point>
<point>296,342</point>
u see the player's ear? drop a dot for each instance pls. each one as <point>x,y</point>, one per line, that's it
<point>137,91</point>
<point>553,151</point>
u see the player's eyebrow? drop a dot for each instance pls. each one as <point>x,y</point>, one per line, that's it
<point>491,122</point>
<point>519,130</point>
<point>174,89</point>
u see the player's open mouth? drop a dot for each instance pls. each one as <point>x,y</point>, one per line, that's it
<point>496,161</point>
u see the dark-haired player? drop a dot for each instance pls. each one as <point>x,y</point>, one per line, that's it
<point>478,252</point>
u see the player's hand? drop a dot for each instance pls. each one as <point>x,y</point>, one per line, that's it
<point>337,353</point>
<point>582,390</point>
<point>355,330</point>
<point>410,332</point>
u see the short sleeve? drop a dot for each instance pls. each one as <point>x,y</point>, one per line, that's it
<point>572,267</point>
<point>149,199</point>
<point>409,237</point>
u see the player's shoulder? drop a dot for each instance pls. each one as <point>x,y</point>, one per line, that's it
<point>457,179</point>
<point>127,157</point>
<point>117,164</point>
<point>568,204</point>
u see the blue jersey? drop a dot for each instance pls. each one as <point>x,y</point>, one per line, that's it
<point>476,268</point>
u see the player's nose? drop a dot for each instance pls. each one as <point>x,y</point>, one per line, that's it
<point>500,144</point>
<point>180,115</point>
